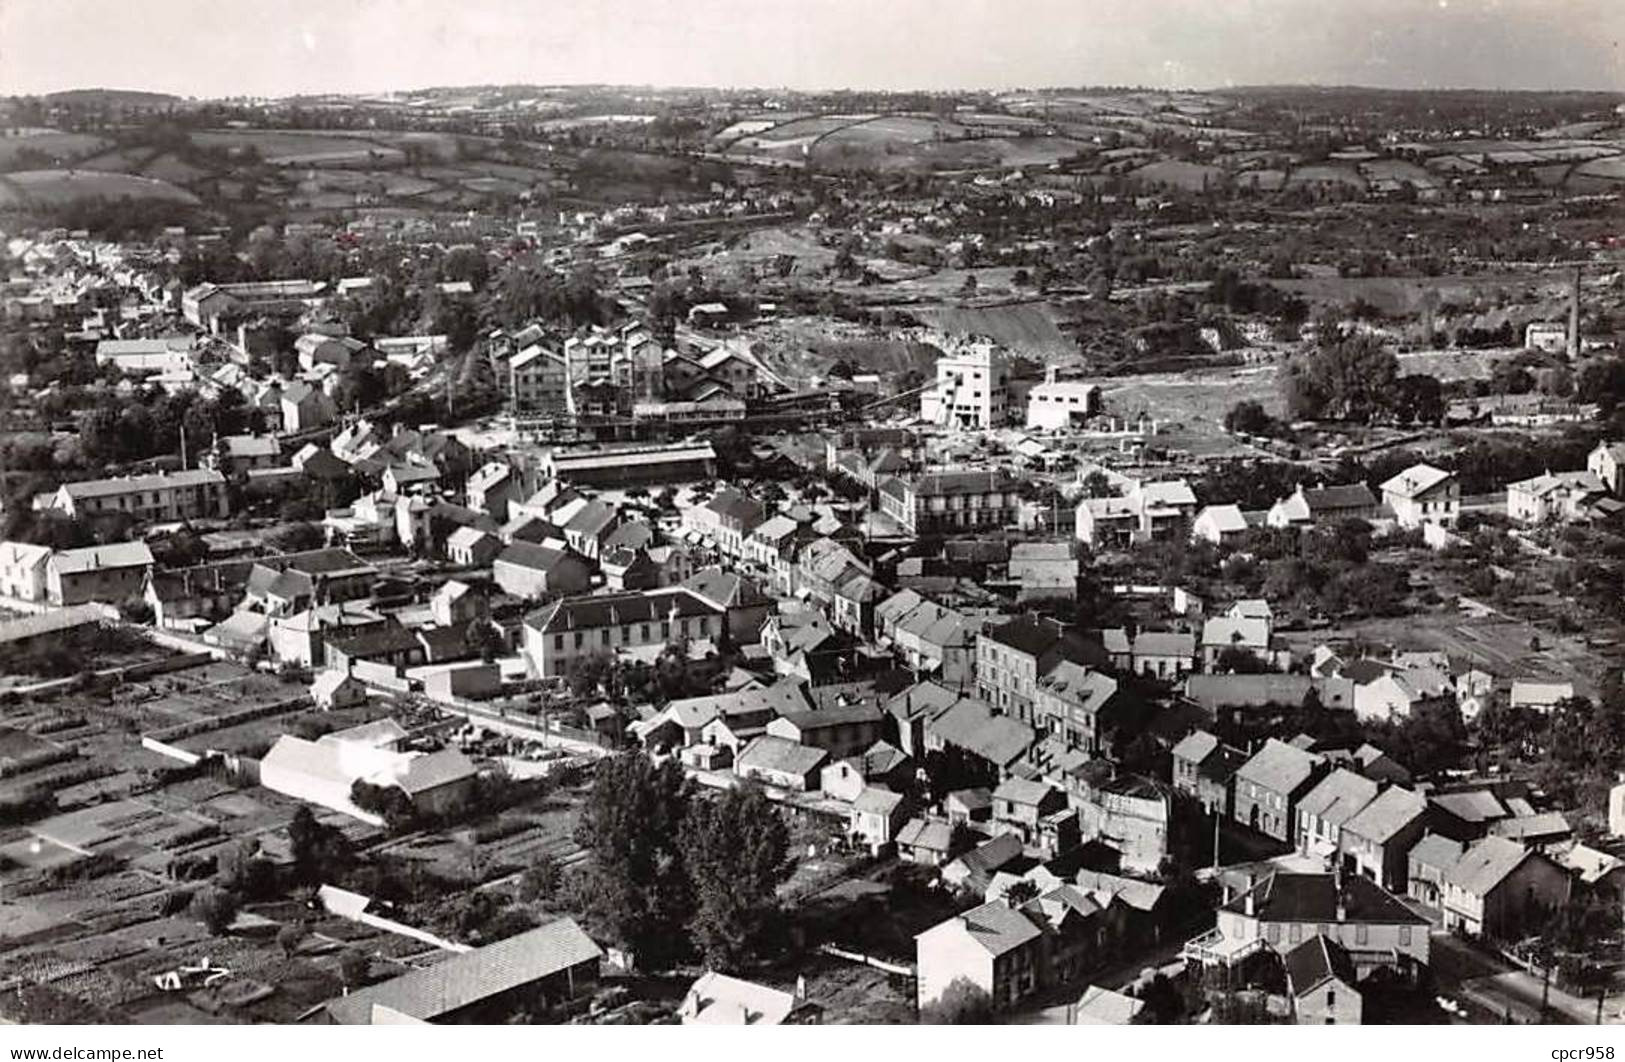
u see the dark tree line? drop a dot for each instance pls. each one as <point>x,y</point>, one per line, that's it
<point>671,871</point>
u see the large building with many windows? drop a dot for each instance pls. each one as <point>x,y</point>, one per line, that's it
<point>560,635</point>
<point>190,494</point>
<point>1011,659</point>
<point>537,381</point>
<point>973,387</point>
<point>951,501</point>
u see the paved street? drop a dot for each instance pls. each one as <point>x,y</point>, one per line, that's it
<point>1501,989</point>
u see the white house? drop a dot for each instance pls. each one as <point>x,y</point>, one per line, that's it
<point>1219,524</point>
<point>1553,497</point>
<point>1540,696</point>
<point>337,689</point>
<point>1549,337</point>
<point>22,570</point>
<point>1422,495</point>
<point>1392,695</point>
<point>717,999</point>
<point>1059,404</point>
<point>877,816</point>
<point>1607,463</point>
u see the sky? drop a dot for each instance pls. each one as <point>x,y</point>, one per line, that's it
<point>207,48</point>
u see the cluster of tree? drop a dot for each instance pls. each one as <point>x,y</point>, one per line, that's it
<point>526,291</point>
<point>1239,295</point>
<point>123,218</point>
<point>319,851</point>
<point>488,794</point>
<point>1248,417</point>
<point>149,423</point>
<point>45,356</point>
<point>1326,571</point>
<point>1356,378</point>
<point>243,875</point>
<point>962,1002</point>
<point>479,916</point>
<point>671,676</point>
<point>951,768</point>
<point>1596,569</point>
<point>1251,485</point>
<point>1431,739</point>
<point>1602,380</point>
<point>388,802</point>
<point>1484,463</point>
<point>671,871</point>
<point>66,653</point>
<point>1578,747</point>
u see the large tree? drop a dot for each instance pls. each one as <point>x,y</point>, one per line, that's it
<point>1352,378</point>
<point>736,848</point>
<point>1419,398</point>
<point>320,852</point>
<point>637,892</point>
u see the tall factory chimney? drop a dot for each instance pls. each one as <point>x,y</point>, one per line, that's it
<point>1574,316</point>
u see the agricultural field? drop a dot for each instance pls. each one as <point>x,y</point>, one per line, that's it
<point>282,148</point>
<point>53,187</point>
<point>169,168</point>
<point>403,186</point>
<point>1581,152</point>
<point>794,139</point>
<point>501,847</point>
<point>1400,296</point>
<point>855,148</point>
<point>1581,131</point>
<point>1198,401</point>
<point>909,142</point>
<point>121,160</point>
<point>493,185</point>
<point>1609,169</point>
<point>1262,180</point>
<point>1397,170</point>
<point>1497,643</point>
<point>809,128</point>
<point>331,188</point>
<point>1454,164</point>
<point>1325,174</point>
<point>1037,151</point>
<point>1017,125</point>
<point>759,248</point>
<point>441,145</point>
<point>506,170</point>
<point>54,147</point>
<point>749,127</point>
<point>900,128</point>
<point>144,162</point>
<point>1172,173</point>
<point>1133,104</point>
<point>1098,131</point>
<point>839,152</point>
<point>1454,364</point>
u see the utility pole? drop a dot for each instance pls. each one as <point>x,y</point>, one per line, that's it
<point>1216,817</point>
